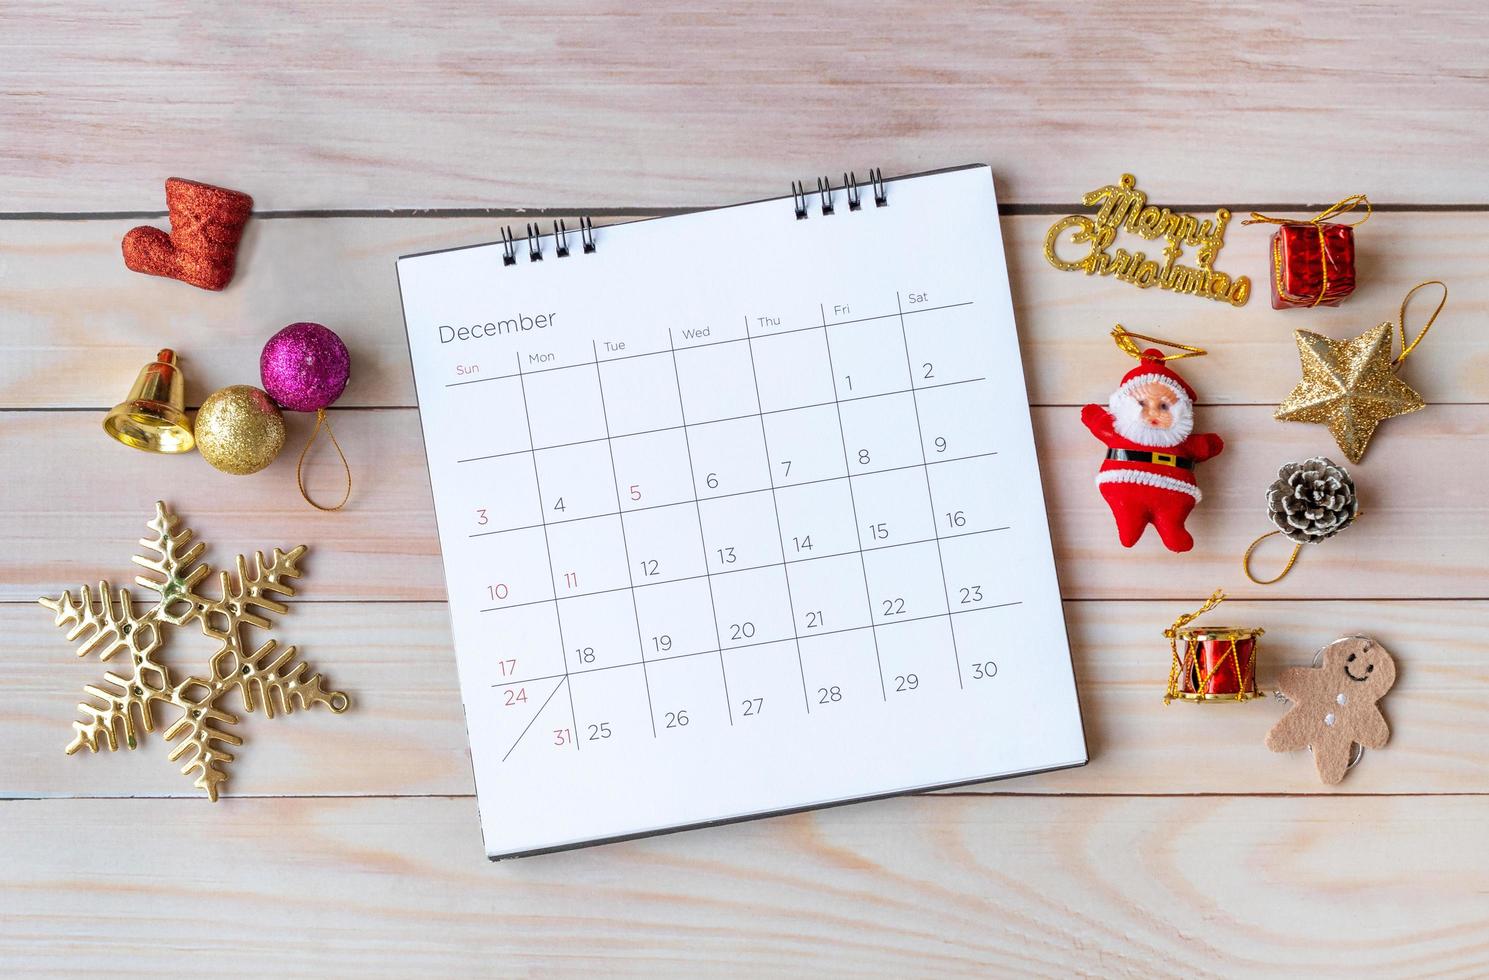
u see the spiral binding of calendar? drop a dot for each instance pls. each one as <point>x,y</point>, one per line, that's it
<point>535,237</point>
<point>826,194</point>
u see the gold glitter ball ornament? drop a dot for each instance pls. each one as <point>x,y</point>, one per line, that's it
<point>239,430</point>
<point>1351,385</point>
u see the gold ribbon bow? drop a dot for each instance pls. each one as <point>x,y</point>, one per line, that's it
<point>1317,221</point>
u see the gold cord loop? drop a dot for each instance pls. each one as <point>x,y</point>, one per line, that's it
<point>1291,561</point>
<point>1127,342</point>
<point>1216,598</point>
<point>1401,318</point>
<point>1317,221</point>
<point>320,419</point>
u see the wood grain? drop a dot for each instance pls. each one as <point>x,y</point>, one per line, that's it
<point>78,325</point>
<point>922,886</point>
<point>1415,541</point>
<point>407,733</point>
<point>441,104</point>
<point>1184,849</point>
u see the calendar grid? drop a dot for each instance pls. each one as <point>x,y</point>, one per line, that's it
<point>931,493</point>
<point>848,477</point>
<point>624,541</point>
<point>713,607</point>
<point>853,503</point>
<point>548,548</point>
<point>536,714</point>
<point>707,343</point>
<point>759,643</point>
<point>730,418</point>
<point>791,437</point>
<point>742,493</point>
<point>750,568</point>
<point>775,505</point>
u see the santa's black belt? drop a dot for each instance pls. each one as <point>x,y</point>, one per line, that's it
<point>1162,459</point>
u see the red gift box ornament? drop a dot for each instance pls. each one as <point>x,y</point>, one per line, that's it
<point>1313,261</point>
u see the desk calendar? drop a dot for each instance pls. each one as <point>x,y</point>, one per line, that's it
<point>740,511</point>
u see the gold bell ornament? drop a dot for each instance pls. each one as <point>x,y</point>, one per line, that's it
<point>153,417</point>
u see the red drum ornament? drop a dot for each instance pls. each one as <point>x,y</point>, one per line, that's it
<point>1218,663</point>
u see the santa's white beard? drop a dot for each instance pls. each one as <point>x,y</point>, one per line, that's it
<point>1127,419</point>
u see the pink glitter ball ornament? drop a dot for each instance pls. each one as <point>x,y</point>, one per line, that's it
<point>305,367</point>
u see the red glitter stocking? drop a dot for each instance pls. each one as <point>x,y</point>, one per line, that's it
<point>202,247</point>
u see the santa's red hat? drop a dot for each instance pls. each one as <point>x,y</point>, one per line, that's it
<point>1150,368</point>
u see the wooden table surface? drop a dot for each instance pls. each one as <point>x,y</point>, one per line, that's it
<point>349,845</point>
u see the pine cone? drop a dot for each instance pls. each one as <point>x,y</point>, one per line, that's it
<point>1312,500</point>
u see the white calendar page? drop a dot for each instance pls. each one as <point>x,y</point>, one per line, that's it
<point>740,514</point>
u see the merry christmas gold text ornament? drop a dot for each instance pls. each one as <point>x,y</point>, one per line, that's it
<point>1351,385</point>
<point>1124,207</point>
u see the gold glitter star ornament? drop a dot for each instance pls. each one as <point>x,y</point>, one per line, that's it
<point>265,678</point>
<point>1351,385</point>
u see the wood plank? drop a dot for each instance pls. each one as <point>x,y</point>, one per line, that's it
<point>671,104</point>
<point>79,325</point>
<point>364,826</point>
<point>941,885</point>
<point>63,527</point>
<point>406,735</point>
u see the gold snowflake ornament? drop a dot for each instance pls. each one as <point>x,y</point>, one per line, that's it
<point>266,678</point>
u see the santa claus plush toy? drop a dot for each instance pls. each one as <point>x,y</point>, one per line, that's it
<point>1151,452</point>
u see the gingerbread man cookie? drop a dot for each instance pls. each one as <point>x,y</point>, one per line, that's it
<point>1334,705</point>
